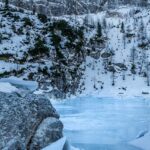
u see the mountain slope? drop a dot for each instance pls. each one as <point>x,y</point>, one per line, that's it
<point>76,7</point>
<point>73,55</point>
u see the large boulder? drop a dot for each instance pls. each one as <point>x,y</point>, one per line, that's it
<point>27,123</point>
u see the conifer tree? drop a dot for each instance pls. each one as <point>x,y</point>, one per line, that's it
<point>99,30</point>
<point>122,28</point>
<point>6,4</point>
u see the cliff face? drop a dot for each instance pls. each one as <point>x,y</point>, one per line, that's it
<point>61,7</point>
<point>69,7</point>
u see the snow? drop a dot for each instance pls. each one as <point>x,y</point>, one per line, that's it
<point>143,142</point>
<point>39,92</point>
<point>96,80</point>
<point>6,66</point>
<point>18,82</point>
<point>122,89</point>
<point>58,145</point>
<point>13,84</point>
<point>7,87</point>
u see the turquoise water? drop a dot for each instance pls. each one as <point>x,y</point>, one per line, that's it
<point>104,123</point>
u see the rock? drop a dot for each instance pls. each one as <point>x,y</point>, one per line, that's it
<point>65,7</point>
<point>50,128</point>
<point>14,145</point>
<point>111,69</point>
<point>145,93</point>
<point>28,122</point>
<point>106,55</point>
<point>95,55</point>
<point>56,94</point>
<point>120,93</point>
<point>143,133</point>
<point>133,71</point>
<point>122,66</point>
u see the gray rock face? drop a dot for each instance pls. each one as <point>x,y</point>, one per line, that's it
<point>50,128</point>
<point>69,7</point>
<point>61,7</point>
<point>28,122</point>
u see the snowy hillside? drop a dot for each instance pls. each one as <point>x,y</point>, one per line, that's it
<point>126,71</point>
<point>78,55</point>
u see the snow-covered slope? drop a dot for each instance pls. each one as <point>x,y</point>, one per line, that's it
<point>129,64</point>
<point>85,54</point>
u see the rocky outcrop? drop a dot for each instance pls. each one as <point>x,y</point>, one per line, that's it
<point>61,7</point>
<point>27,123</point>
<point>69,7</point>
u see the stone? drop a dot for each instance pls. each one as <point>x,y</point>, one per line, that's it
<point>106,55</point>
<point>56,94</point>
<point>23,118</point>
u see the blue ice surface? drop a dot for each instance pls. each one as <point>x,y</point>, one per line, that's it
<point>93,123</point>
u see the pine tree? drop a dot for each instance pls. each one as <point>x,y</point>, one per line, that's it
<point>19,3</point>
<point>133,57</point>
<point>147,73</point>
<point>142,32</point>
<point>123,71</point>
<point>122,28</point>
<point>99,30</point>
<point>1,38</point>
<point>104,23</point>
<point>6,4</point>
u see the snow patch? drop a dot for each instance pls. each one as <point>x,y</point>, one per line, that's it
<point>18,82</point>
<point>58,145</point>
<point>143,142</point>
<point>7,87</point>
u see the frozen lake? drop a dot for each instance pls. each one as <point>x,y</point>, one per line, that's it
<point>104,123</point>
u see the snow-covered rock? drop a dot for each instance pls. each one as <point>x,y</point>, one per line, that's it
<point>61,7</point>
<point>18,82</point>
<point>7,87</point>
